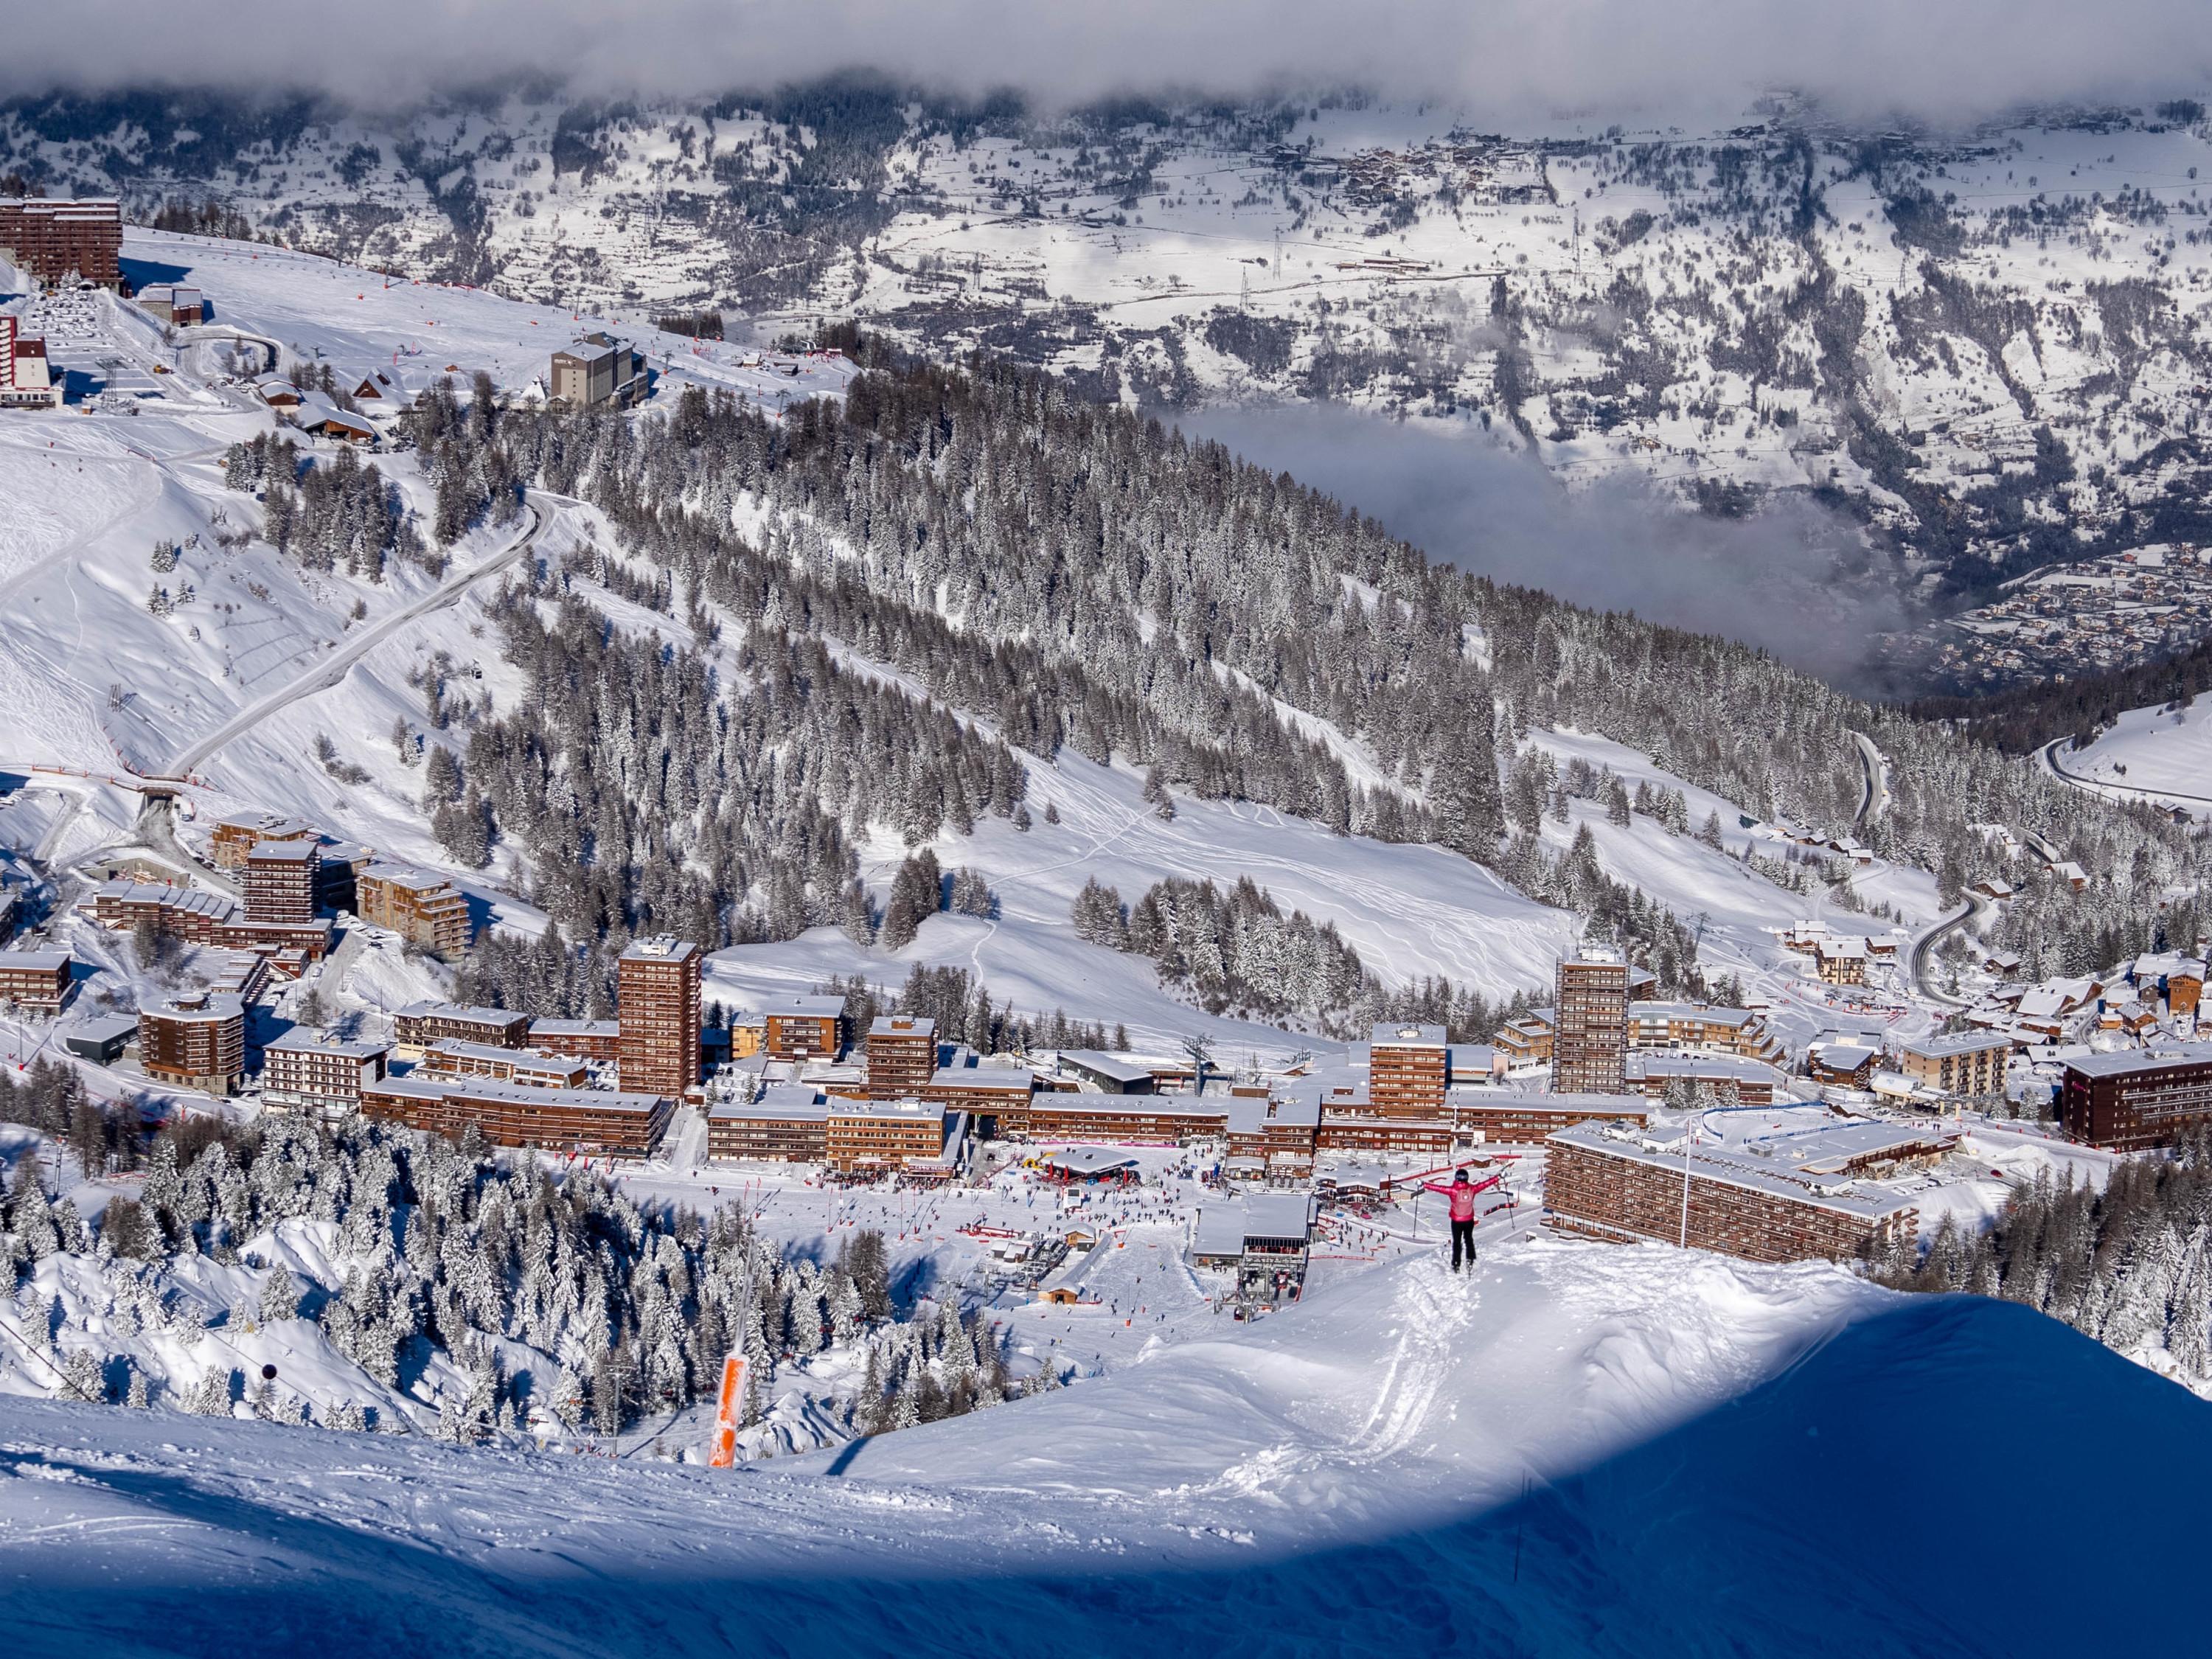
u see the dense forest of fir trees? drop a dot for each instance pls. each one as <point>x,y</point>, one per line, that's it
<point>623,1309</point>
<point>1063,573</point>
<point>2130,1265</point>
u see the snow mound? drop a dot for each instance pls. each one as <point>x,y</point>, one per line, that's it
<point>1579,1450</point>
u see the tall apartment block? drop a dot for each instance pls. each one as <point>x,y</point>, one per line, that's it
<point>657,985</point>
<point>281,881</point>
<point>1590,1053</point>
<point>901,1056</point>
<point>1409,1067</point>
<point>196,1040</point>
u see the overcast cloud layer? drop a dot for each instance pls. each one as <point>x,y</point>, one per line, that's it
<point>1792,579</point>
<point>1945,60</point>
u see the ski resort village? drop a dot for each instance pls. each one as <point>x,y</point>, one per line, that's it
<point>644,941</point>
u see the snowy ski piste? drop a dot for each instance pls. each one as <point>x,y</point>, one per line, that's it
<point>1580,1450</point>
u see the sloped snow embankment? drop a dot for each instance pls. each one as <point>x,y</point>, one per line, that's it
<point>1580,1450</point>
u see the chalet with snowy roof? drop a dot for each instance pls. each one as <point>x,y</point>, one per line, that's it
<point>319,417</point>
<point>1842,1064</point>
<point>386,388</point>
<point>179,306</point>
<point>1841,961</point>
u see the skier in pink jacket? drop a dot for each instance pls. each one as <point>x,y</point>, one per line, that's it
<point>1462,1214</point>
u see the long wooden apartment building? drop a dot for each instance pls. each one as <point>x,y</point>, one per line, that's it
<point>788,1124</point>
<point>594,1122</point>
<point>419,1024</point>
<point>1126,1120</point>
<point>864,1135</point>
<point>450,1057</point>
<point>1615,1181</point>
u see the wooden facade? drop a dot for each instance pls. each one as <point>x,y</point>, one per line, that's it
<point>658,992</point>
<point>595,1122</point>
<point>901,1056</point>
<point>2135,1101</point>
<point>1611,1188</point>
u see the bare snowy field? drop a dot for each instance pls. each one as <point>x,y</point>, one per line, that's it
<point>1582,1449</point>
<point>2154,752</point>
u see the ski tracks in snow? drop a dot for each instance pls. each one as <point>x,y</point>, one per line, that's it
<point>1434,1312</point>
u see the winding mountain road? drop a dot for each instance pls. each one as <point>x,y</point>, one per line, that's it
<point>332,669</point>
<point>1876,800</point>
<point>1923,946</point>
<point>2048,756</point>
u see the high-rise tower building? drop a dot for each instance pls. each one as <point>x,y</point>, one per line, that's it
<point>1590,1053</point>
<point>657,987</point>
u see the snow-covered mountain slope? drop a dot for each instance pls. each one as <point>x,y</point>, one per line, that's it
<point>2160,753</point>
<point>279,685</point>
<point>1993,343</point>
<point>1582,1450</point>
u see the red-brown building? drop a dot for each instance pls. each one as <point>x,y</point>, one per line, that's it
<point>1001,1093</point>
<point>592,1121</point>
<point>54,241</point>
<point>1350,1129</point>
<point>419,1024</point>
<point>1409,1066</point>
<point>238,834</point>
<point>596,1039</point>
<point>902,1056</point>
<point>423,909</point>
<point>1610,1181</point>
<point>1525,1120</point>
<point>807,1028</point>
<point>788,1124</point>
<point>450,1057</point>
<point>657,985</point>
<point>2137,1098</point>
<point>1144,1119</point>
<point>281,878</point>
<point>35,980</point>
<point>197,1040</point>
<point>859,1134</point>
<point>1590,1046</point>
